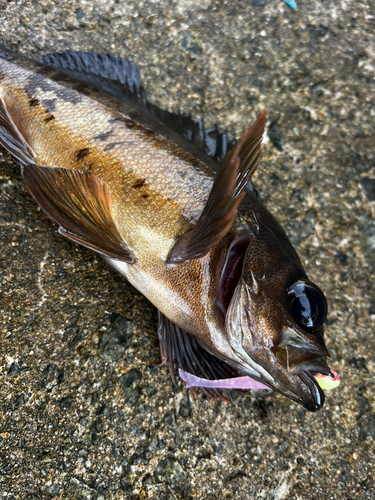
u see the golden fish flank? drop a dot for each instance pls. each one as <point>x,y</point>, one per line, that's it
<point>232,295</point>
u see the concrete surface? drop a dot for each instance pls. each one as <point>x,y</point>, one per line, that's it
<point>83,414</point>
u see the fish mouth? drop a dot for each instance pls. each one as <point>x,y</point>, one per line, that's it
<point>316,394</point>
<point>313,395</point>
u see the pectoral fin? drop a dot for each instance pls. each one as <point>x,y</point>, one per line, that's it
<point>221,208</point>
<point>11,138</point>
<point>81,204</point>
<point>181,350</point>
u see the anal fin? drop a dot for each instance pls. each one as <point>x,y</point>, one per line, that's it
<point>181,350</point>
<point>81,204</point>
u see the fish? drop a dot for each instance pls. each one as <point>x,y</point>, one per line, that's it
<point>170,206</point>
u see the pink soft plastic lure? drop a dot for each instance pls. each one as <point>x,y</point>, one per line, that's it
<point>326,382</point>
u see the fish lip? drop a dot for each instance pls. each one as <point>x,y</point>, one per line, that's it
<point>314,367</point>
<point>316,393</point>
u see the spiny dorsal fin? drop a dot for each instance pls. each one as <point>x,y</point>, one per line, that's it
<point>226,195</point>
<point>11,138</point>
<point>121,78</point>
<point>105,66</point>
<point>81,204</point>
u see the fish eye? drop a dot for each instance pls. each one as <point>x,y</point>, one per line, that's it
<point>307,304</point>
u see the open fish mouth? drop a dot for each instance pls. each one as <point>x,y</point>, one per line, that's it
<point>315,392</point>
<point>316,378</point>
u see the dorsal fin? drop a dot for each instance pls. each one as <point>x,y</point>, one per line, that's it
<point>121,78</point>
<point>106,67</point>
<point>226,194</point>
<point>81,204</point>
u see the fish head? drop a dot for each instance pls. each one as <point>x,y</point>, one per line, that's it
<point>274,320</point>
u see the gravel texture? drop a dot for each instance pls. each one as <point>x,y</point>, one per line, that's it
<point>83,413</point>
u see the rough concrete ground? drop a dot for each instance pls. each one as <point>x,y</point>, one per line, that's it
<point>83,414</point>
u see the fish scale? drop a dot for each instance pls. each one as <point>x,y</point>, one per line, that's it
<point>78,123</point>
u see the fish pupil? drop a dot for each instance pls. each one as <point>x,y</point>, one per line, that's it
<point>304,310</point>
<point>308,305</point>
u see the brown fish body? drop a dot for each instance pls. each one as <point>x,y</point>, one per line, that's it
<point>157,189</point>
<point>157,192</point>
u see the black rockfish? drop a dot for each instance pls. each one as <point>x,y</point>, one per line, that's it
<point>232,295</point>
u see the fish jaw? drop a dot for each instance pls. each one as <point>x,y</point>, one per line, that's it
<point>255,343</point>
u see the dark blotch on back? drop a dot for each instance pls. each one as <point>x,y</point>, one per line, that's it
<point>49,118</point>
<point>50,104</point>
<point>34,102</point>
<point>69,95</point>
<point>112,145</point>
<point>149,132</point>
<point>129,123</point>
<point>139,183</point>
<point>38,84</point>
<point>82,153</point>
<point>79,87</point>
<point>104,135</point>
